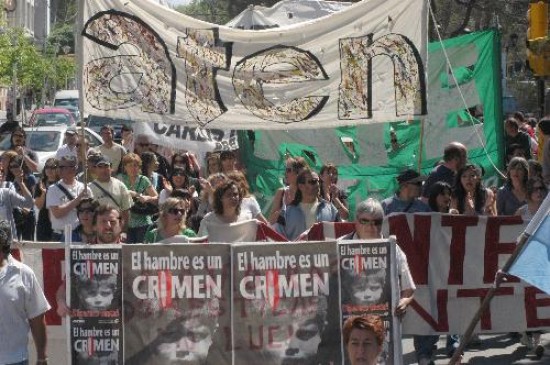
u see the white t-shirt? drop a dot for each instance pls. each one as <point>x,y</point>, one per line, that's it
<point>21,299</point>
<point>55,197</point>
<point>65,151</point>
<point>212,217</point>
<point>250,208</point>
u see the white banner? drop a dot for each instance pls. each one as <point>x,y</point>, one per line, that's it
<point>145,62</point>
<point>453,260</point>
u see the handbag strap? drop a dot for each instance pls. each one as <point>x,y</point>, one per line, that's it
<point>64,190</point>
<point>105,192</point>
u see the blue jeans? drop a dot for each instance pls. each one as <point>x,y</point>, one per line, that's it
<point>424,346</point>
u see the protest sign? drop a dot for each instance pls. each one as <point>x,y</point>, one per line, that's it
<point>369,285</point>
<point>281,295</point>
<point>177,308</point>
<point>95,325</point>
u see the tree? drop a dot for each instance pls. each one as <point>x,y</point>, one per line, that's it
<point>207,10</point>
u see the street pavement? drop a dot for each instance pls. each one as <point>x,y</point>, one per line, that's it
<point>499,349</point>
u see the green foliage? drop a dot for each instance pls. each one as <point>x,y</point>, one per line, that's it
<point>211,11</point>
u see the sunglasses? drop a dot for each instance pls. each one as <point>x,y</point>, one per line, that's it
<point>50,166</point>
<point>15,166</point>
<point>376,222</point>
<point>539,188</point>
<point>67,167</point>
<point>178,174</point>
<point>86,210</point>
<point>176,211</point>
<point>19,135</point>
<point>312,181</point>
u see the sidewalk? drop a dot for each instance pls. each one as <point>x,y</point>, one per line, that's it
<point>497,349</point>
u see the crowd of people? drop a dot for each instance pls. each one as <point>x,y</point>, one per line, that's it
<point>129,193</point>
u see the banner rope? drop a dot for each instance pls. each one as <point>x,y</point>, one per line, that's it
<point>470,118</point>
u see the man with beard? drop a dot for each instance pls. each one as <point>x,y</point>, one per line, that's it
<point>108,224</point>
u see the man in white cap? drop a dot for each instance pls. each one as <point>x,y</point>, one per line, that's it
<point>70,148</point>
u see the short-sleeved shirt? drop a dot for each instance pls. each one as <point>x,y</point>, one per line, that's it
<point>117,189</point>
<point>250,207</point>
<point>115,154</point>
<point>56,197</point>
<point>21,299</point>
<point>140,186</point>
<point>154,235</point>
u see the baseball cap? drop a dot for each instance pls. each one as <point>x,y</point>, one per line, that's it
<point>102,160</point>
<point>67,161</point>
<point>71,130</point>
<point>410,176</point>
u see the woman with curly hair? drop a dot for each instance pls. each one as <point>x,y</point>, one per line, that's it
<point>227,207</point>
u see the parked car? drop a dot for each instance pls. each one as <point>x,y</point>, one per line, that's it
<point>52,116</point>
<point>96,122</point>
<point>45,141</point>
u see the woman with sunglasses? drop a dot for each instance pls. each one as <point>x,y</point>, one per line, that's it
<point>85,232</point>
<point>307,208</point>
<point>178,180</point>
<point>50,175</point>
<point>171,222</point>
<point>536,192</point>
<point>286,194</point>
<point>369,216</point>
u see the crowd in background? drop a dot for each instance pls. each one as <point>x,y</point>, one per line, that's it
<point>147,198</point>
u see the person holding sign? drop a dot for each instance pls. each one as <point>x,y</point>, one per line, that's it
<point>369,216</point>
<point>363,339</point>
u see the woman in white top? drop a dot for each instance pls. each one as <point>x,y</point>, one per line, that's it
<point>226,208</point>
<point>249,206</point>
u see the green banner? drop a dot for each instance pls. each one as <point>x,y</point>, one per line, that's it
<point>465,108</point>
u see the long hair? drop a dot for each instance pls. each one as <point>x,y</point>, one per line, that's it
<point>220,191</point>
<point>50,161</point>
<point>460,193</point>
<point>438,188</point>
<point>301,179</point>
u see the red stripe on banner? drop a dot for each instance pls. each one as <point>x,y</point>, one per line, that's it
<point>358,264</point>
<point>89,269</point>
<point>272,288</point>
<point>485,322</point>
<point>494,248</point>
<point>52,273</point>
<point>442,323</point>
<point>90,346</point>
<point>168,292</point>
